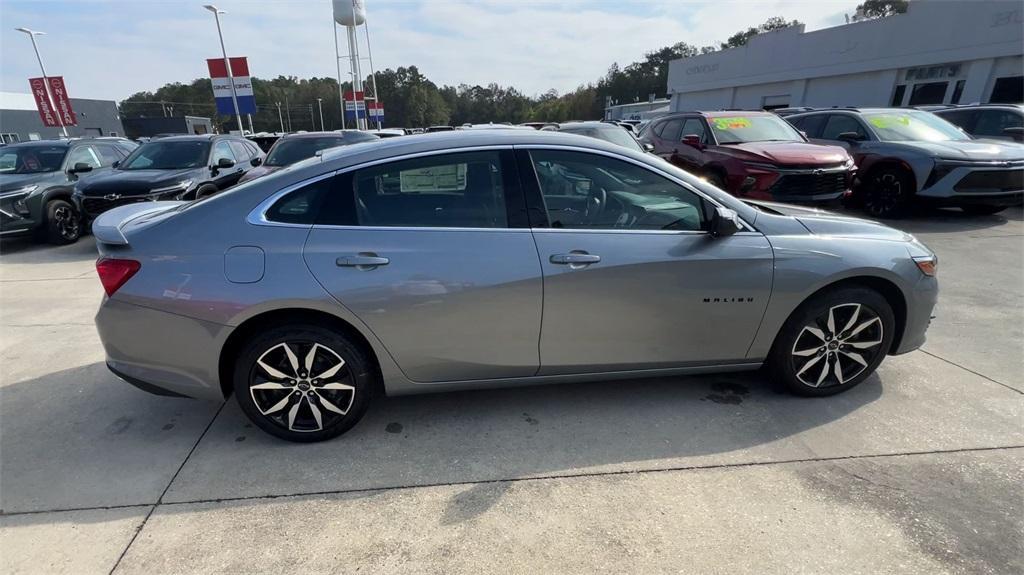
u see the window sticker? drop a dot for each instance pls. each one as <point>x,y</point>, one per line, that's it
<point>731,123</point>
<point>884,122</point>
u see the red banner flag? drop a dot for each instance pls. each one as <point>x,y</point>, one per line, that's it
<point>46,112</point>
<point>61,100</point>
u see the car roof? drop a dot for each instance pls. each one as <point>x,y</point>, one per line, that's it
<point>198,137</point>
<point>590,125</point>
<point>717,113</point>
<point>1018,107</point>
<point>298,135</point>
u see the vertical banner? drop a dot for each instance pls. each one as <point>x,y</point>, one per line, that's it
<point>376,111</point>
<point>46,113</point>
<point>355,105</point>
<point>61,100</point>
<point>222,87</point>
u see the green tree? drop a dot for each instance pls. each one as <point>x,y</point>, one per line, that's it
<point>741,38</point>
<point>872,9</point>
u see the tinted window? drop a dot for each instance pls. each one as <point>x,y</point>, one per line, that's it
<point>672,131</point>
<point>958,91</point>
<point>454,190</point>
<point>300,206</point>
<point>1008,90</point>
<point>590,191</point>
<point>287,151</point>
<point>695,127</point>
<point>930,93</point>
<point>31,159</point>
<point>897,95</point>
<point>242,153</point>
<point>810,125</point>
<point>167,156</point>
<point>961,118</point>
<point>839,124</point>
<point>993,122</point>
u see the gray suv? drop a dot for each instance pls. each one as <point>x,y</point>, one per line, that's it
<point>476,259</point>
<point>905,156</point>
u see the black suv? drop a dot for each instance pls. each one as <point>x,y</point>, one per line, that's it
<point>989,121</point>
<point>172,168</point>
<point>37,180</point>
<point>907,156</point>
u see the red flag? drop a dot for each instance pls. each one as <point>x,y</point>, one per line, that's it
<point>61,100</point>
<point>46,112</point>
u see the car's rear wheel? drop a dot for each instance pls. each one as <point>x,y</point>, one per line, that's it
<point>63,222</point>
<point>887,193</point>
<point>716,180</point>
<point>832,342</point>
<point>303,383</point>
<point>982,210</point>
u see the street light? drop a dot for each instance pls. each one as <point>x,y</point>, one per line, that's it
<point>320,103</point>
<point>227,63</point>
<point>32,34</point>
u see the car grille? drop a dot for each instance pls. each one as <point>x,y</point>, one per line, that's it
<point>96,206</point>
<point>989,181</point>
<point>809,184</point>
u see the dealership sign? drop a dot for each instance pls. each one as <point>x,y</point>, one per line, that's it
<point>53,116</point>
<point>222,86</point>
<point>376,110</point>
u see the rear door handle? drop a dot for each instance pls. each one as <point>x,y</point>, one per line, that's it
<point>575,259</point>
<point>362,261</point>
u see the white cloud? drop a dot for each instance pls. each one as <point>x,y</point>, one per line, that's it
<point>113,49</point>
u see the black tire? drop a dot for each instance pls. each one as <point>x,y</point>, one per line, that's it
<point>981,210</point>
<point>887,192</point>
<point>205,191</point>
<point>716,180</point>
<point>63,223</point>
<point>799,373</point>
<point>298,409</point>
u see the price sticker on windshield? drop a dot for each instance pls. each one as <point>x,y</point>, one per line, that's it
<point>731,123</point>
<point>888,121</point>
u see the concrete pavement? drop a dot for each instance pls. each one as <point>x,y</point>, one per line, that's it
<point>916,470</point>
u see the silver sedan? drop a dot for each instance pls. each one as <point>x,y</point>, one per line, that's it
<point>476,259</point>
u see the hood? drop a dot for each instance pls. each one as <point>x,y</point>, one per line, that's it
<point>791,153</point>
<point>970,150</point>
<point>826,223</point>
<point>259,172</point>
<point>133,181</point>
<point>10,182</point>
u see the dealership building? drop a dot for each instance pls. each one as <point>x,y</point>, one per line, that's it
<point>20,121</point>
<point>938,52</point>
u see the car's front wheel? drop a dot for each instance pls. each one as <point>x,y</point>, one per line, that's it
<point>887,193</point>
<point>63,222</point>
<point>303,383</point>
<point>832,342</point>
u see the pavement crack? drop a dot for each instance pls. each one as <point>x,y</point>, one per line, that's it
<point>160,499</point>
<point>967,369</point>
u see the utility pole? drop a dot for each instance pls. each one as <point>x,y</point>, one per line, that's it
<point>320,103</point>
<point>288,110</point>
<point>312,118</point>
<point>32,34</point>
<point>227,64</point>
<point>280,118</point>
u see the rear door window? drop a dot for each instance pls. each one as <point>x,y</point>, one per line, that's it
<point>840,124</point>
<point>222,150</point>
<point>991,123</point>
<point>695,127</point>
<point>673,131</point>
<point>241,152</point>
<point>810,125</point>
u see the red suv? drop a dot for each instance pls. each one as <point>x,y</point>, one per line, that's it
<point>752,154</point>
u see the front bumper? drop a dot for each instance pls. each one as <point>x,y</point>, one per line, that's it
<point>162,352</point>
<point>91,206</point>
<point>975,185</point>
<point>920,306</point>
<point>799,185</point>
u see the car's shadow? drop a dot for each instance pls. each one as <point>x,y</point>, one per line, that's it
<point>924,219</point>
<point>26,250</point>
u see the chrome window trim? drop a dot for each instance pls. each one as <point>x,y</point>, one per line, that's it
<point>258,214</point>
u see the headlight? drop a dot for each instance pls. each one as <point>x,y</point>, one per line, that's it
<point>762,166</point>
<point>849,163</point>
<point>179,187</point>
<point>929,265</point>
<point>18,192</point>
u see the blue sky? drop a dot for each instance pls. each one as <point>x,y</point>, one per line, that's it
<point>111,49</point>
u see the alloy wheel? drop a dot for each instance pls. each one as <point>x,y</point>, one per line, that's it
<point>837,347</point>
<point>67,222</point>
<point>885,196</point>
<point>302,386</point>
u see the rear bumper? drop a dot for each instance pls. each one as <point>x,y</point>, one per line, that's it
<point>161,352</point>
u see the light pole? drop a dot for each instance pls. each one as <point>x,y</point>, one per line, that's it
<point>227,64</point>
<point>320,103</point>
<point>280,118</point>
<point>32,34</point>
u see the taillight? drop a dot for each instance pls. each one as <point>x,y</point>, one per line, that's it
<point>114,273</point>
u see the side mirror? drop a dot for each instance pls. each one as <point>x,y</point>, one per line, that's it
<point>115,164</point>
<point>224,163</point>
<point>81,167</point>
<point>256,161</point>
<point>693,140</point>
<point>648,147</point>
<point>725,222</point>
<point>852,137</point>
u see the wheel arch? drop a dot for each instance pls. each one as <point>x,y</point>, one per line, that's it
<point>891,162</point>
<point>234,342</point>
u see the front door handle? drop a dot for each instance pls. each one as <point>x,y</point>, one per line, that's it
<point>575,259</point>
<point>363,261</point>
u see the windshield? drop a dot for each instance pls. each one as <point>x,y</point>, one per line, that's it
<point>739,129</point>
<point>288,151</point>
<point>31,159</point>
<point>614,135</point>
<point>906,126</point>
<point>168,156</point>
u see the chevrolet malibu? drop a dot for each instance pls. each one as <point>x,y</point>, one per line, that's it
<point>477,259</point>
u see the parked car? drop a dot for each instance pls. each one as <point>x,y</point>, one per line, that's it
<point>468,260</point>
<point>752,154</point>
<point>171,168</point>
<point>908,156</point>
<point>603,131</point>
<point>783,112</point>
<point>37,180</point>
<point>439,129</point>
<point>294,148</point>
<point>265,140</point>
<point>988,121</point>
<point>624,125</point>
<point>388,132</point>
